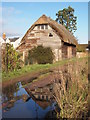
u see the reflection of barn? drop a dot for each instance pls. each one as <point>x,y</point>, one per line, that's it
<point>49,33</point>
<point>42,96</point>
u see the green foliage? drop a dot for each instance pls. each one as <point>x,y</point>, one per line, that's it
<point>41,55</point>
<point>36,68</point>
<point>66,17</point>
<point>10,59</point>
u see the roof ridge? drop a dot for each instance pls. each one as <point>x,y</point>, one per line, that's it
<point>60,29</point>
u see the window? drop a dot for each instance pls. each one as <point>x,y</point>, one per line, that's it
<point>50,35</point>
<point>46,26</point>
<point>42,97</point>
<point>38,27</point>
<point>47,98</point>
<point>39,97</point>
<point>42,26</point>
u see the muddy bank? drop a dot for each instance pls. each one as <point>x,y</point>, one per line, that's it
<point>40,78</point>
<point>27,78</point>
<point>43,82</point>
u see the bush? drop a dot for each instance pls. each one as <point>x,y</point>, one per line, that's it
<point>40,55</point>
<point>10,59</point>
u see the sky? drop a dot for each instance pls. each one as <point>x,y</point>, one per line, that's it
<point>45,0</point>
<point>17,17</point>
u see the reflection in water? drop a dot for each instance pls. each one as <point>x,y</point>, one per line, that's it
<point>8,92</point>
<point>10,95</point>
<point>42,96</point>
<point>32,104</point>
<point>36,100</point>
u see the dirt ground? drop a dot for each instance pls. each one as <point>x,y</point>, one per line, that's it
<point>39,82</point>
<point>27,78</point>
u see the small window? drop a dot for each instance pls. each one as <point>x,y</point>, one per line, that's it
<point>43,97</point>
<point>50,35</point>
<point>38,27</point>
<point>42,26</point>
<point>46,26</point>
<point>39,97</point>
<point>47,98</point>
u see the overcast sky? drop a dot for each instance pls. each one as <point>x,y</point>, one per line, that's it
<point>17,17</point>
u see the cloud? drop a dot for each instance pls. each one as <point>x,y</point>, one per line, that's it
<point>7,21</point>
<point>12,34</point>
<point>3,21</point>
<point>9,33</point>
<point>8,11</point>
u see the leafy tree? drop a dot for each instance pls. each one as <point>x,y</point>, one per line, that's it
<point>10,59</point>
<point>66,17</point>
<point>41,55</point>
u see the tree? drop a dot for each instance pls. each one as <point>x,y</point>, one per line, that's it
<point>66,17</point>
<point>40,55</point>
<point>10,59</point>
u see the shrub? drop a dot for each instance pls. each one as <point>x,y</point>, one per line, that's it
<point>10,59</point>
<point>41,55</point>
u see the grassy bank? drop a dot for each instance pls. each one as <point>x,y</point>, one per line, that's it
<point>71,93</point>
<point>35,68</point>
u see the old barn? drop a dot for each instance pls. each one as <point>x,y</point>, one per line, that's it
<point>49,33</point>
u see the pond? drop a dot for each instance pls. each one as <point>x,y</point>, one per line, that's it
<point>20,102</point>
<point>35,98</point>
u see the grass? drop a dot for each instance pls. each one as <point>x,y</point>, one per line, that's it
<point>34,68</point>
<point>23,71</point>
<point>73,99</point>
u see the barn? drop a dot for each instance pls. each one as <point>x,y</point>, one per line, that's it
<point>49,33</point>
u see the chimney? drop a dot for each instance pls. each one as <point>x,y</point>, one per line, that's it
<point>4,36</point>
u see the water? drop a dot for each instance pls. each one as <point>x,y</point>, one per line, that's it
<point>19,102</point>
<point>35,99</point>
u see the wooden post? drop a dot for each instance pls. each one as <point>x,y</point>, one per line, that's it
<point>7,57</point>
<point>23,56</point>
